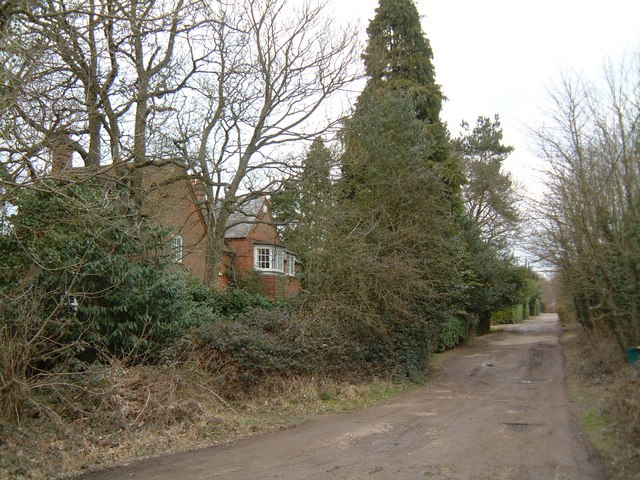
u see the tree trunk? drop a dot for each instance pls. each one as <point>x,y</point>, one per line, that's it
<point>215,247</point>
<point>93,157</point>
<point>484,324</point>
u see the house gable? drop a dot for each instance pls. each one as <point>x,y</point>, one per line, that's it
<point>173,199</point>
<point>255,245</point>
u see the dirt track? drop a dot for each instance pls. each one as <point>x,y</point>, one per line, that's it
<point>498,410</point>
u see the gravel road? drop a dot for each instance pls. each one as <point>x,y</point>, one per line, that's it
<point>498,410</point>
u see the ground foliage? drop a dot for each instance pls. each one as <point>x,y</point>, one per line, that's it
<point>606,391</point>
<point>124,413</point>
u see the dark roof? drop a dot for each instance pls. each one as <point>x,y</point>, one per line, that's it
<point>242,220</point>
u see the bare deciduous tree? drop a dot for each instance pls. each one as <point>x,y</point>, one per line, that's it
<point>220,88</point>
<point>103,71</point>
<point>590,217</point>
<point>274,66</point>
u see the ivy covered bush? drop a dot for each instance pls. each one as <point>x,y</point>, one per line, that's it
<point>510,314</point>
<point>454,331</point>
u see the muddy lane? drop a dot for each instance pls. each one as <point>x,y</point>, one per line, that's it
<point>498,410</point>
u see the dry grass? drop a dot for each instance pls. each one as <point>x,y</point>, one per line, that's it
<point>119,414</point>
<point>607,394</point>
<point>623,410</point>
<point>128,413</point>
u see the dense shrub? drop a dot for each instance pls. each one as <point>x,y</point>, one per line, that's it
<point>97,279</point>
<point>454,331</point>
<point>253,346</point>
<point>535,307</point>
<point>247,281</point>
<point>512,314</point>
<point>208,304</point>
<point>250,348</point>
<point>411,349</point>
<point>83,282</point>
<point>232,301</point>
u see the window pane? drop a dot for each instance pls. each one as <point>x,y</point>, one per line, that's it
<point>279,261</point>
<point>263,258</point>
<point>291,265</point>
<point>176,244</point>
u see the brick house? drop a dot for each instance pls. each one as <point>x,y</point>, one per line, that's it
<point>253,243</point>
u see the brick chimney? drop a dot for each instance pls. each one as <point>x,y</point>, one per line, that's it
<point>61,154</point>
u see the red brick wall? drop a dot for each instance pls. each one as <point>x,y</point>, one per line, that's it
<point>172,203</point>
<point>293,286</point>
<point>242,259</point>
<point>264,232</point>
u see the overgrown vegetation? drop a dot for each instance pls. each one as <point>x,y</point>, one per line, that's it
<point>606,391</point>
<point>403,233</point>
<point>589,222</point>
<point>590,217</point>
<point>127,412</point>
<point>527,296</point>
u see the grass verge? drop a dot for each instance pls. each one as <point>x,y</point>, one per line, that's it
<point>596,381</point>
<point>143,412</point>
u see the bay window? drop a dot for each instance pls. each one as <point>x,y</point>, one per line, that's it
<point>270,258</point>
<point>291,265</point>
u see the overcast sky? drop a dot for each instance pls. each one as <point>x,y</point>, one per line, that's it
<point>498,56</point>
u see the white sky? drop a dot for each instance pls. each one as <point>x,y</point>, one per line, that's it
<point>499,56</point>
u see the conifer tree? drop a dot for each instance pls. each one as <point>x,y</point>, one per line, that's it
<point>399,55</point>
<point>395,254</point>
<point>303,201</point>
<point>491,219</point>
<point>398,61</point>
<point>490,194</point>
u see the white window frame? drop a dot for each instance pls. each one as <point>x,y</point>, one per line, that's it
<point>177,248</point>
<point>278,260</point>
<point>262,257</point>
<point>290,269</point>
<point>268,258</point>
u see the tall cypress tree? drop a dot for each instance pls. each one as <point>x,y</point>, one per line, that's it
<point>399,56</point>
<point>398,61</point>
<point>396,235</point>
